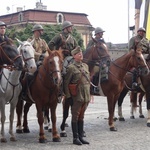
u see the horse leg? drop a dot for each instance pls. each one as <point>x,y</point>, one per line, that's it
<point>19,110</point>
<point>3,118</point>
<point>133,100</point>
<point>42,138</point>
<point>47,125</point>
<point>111,107</point>
<point>66,105</point>
<point>148,108</point>
<point>25,120</point>
<point>56,137</point>
<point>141,95</point>
<point>11,119</point>
<point>120,101</point>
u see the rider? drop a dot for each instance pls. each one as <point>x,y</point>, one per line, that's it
<point>64,40</point>
<point>2,31</point>
<point>41,49</point>
<point>132,45</point>
<point>105,62</point>
<point>98,36</point>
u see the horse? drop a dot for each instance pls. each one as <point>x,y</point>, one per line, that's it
<point>44,91</point>
<point>11,86</point>
<point>8,54</point>
<point>118,68</point>
<point>143,90</point>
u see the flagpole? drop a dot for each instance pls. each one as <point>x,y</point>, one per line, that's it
<point>128,21</point>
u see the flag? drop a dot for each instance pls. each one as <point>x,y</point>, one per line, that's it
<point>138,4</point>
<point>146,24</point>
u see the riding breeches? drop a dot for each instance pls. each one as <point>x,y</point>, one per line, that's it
<point>77,110</point>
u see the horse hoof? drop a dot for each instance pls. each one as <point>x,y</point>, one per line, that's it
<point>3,140</point>
<point>113,129</point>
<point>63,134</point>
<point>19,131</point>
<point>26,130</point>
<point>121,119</point>
<point>56,139</point>
<point>46,128</point>
<point>50,130</point>
<point>66,125</point>
<point>13,139</point>
<point>42,140</point>
<point>141,116</point>
<point>148,124</point>
<point>115,118</point>
<point>132,117</point>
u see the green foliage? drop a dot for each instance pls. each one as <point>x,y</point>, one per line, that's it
<point>49,32</point>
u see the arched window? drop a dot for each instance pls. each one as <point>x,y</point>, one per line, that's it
<point>20,17</point>
<point>60,18</point>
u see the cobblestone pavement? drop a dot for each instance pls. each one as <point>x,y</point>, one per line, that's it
<point>131,134</point>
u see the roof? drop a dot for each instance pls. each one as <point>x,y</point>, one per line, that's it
<point>34,15</point>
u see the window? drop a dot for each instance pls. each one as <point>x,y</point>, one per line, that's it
<point>20,17</point>
<point>60,18</point>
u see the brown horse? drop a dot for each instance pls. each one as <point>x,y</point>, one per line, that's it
<point>143,90</point>
<point>44,92</point>
<point>112,87</point>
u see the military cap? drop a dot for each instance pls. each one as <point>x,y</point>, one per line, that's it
<point>76,50</point>
<point>37,27</point>
<point>2,23</point>
<point>98,30</point>
<point>141,29</point>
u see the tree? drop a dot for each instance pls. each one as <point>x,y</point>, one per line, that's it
<point>49,32</point>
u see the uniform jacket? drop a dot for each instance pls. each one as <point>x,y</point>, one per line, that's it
<point>39,45</point>
<point>133,41</point>
<point>63,40</point>
<point>73,75</point>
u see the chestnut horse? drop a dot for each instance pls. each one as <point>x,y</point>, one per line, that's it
<point>44,92</point>
<point>143,90</point>
<point>112,87</point>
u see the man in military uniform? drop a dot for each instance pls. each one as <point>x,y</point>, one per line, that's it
<point>39,44</point>
<point>104,61</point>
<point>98,36</point>
<point>41,49</point>
<point>78,71</point>
<point>64,40</point>
<point>132,45</point>
<point>3,37</point>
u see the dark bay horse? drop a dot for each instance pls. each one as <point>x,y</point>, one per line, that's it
<point>44,93</point>
<point>116,73</point>
<point>9,54</point>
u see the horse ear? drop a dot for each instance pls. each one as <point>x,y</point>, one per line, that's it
<point>32,42</point>
<point>20,42</point>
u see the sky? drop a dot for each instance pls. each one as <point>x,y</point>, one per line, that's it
<point>111,15</point>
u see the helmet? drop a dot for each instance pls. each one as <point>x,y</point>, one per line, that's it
<point>98,30</point>
<point>66,24</point>
<point>141,29</point>
<point>37,27</point>
<point>2,23</point>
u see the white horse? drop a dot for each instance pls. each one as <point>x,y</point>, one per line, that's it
<point>11,86</point>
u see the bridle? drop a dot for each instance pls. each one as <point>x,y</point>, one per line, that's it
<point>49,74</point>
<point>2,53</point>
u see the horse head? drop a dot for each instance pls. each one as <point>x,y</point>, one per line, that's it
<point>9,55</point>
<point>53,66</point>
<point>138,60</point>
<point>27,51</point>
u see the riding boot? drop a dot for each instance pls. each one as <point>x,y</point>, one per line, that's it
<point>80,131</point>
<point>28,78</point>
<point>76,140</point>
